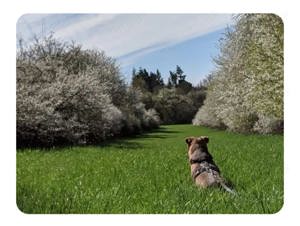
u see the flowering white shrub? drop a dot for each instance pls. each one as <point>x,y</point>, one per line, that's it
<point>66,95</point>
<point>151,118</point>
<point>248,81</point>
<point>266,125</point>
<point>206,117</point>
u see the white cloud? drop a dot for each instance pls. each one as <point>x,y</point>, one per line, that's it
<point>130,33</point>
<point>130,36</point>
<point>84,25</point>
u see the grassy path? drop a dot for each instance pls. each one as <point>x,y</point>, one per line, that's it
<point>150,174</point>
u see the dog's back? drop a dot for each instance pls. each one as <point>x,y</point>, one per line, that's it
<point>204,174</point>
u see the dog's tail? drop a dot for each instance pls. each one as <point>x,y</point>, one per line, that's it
<point>228,189</point>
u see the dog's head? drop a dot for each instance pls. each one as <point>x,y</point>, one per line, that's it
<point>197,141</point>
<point>197,147</point>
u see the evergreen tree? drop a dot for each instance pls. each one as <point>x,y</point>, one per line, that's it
<point>177,80</point>
<point>150,82</point>
<point>173,79</point>
<point>180,75</point>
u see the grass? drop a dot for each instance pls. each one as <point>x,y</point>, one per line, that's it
<point>150,174</point>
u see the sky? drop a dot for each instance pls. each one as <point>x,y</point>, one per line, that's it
<point>151,41</point>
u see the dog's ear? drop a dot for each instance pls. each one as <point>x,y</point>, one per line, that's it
<point>202,140</point>
<point>189,140</point>
<point>206,139</point>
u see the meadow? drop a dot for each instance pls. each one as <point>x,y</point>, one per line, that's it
<point>150,173</point>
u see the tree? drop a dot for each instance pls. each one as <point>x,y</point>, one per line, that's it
<point>139,80</point>
<point>67,95</point>
<point>174,108</point>
<point>180,75</point>
<point>176,103</point>
<point>246,91</point>
<point>172,80</point>
<point>145,81</point>
<point>184,87</point>
<point>155,81</point>
<point>177,80</point>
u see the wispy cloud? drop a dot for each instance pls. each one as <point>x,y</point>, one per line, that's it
<point>84,25</point>
<point>126,36</point>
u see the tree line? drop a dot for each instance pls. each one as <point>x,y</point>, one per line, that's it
<point>245,92</point>
<point>175,102</point>
<point>67,95</point>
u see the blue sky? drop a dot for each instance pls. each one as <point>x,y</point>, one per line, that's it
<point>194,56</point>
<point>151,41</point>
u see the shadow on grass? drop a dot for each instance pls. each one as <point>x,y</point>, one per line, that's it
<point>130,142</point>
<point>124,142</point>
<point>119,143</point>
<point>159,133</point>
<point>163,130</point>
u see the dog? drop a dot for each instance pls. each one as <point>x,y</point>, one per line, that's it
<point>204,171</point>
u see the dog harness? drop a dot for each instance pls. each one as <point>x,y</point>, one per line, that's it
<point>205,166</point>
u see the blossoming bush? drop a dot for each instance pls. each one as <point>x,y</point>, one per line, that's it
<point>246,90</point>
<point>67,95</point>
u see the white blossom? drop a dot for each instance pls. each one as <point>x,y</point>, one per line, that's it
<point>247,85</point>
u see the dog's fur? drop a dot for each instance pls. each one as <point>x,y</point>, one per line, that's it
<point>204,171</point>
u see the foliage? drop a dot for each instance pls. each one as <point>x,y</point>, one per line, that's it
<point>149,82</point>
<point>247,85</point>
<point>206,115</point>
<point>267,125</point>
<point>138,118</point>
<point>177,80</point>
<point>176,102</point>
<point>69,95</point>
<point>173,107</point>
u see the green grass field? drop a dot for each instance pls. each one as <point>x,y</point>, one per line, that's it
<point>150,174</point>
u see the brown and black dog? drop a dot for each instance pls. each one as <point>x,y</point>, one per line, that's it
<point>204,171</point>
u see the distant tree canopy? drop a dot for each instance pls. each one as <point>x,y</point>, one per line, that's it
<point>245,91</point>
<point>176,102</point>
<point>145,81</point>
<point>177,80</point>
